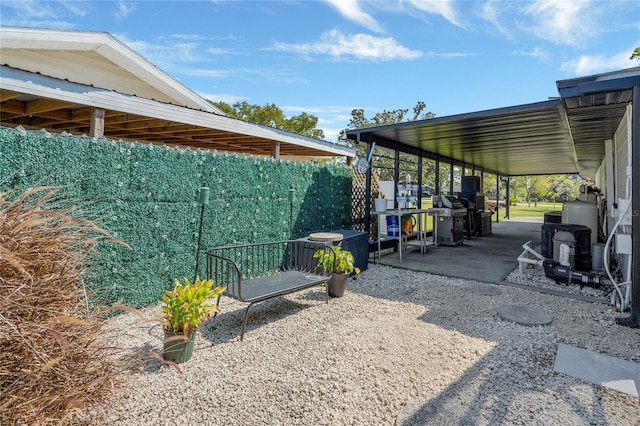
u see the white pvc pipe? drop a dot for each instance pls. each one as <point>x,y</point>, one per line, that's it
<point>606,253</point>
<point>532,251</point>
<point>522,260</point>
<point>563,258</point>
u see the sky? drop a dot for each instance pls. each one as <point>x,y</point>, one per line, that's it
<point>329,57</point>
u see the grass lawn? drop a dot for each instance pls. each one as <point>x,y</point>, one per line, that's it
<point>518,210</point>
<point>522,209</point>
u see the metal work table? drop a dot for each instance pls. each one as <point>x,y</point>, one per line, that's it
<point>402,238</point>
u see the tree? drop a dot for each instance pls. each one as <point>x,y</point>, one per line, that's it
<point>635,54</point>
<point>272,116</point>
<point>383,159</point>
<point>359,120</point>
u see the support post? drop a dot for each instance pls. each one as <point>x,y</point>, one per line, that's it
<point>275,150</point>
<point>97,123</point>
<point>292,193</point>
<point>203,200</point>
<point>367,191</point>
<point>436,190</point>
<point>633,320</point>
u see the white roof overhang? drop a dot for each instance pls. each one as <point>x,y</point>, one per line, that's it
<point>36,101</point>
<point>94,59</point>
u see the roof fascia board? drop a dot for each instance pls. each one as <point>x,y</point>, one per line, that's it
<point>394,145</point>
<point>617,80</point>
<point>471,115</point>
<point>38,85</point>
<point>109,47</point>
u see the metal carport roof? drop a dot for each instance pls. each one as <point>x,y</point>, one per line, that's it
<point>563,135</point>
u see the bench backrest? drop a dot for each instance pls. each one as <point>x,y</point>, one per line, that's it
<point>230,265</point>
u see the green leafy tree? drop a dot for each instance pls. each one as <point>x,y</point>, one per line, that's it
<point>272,116</point>
<point>383,159</point>
<point>635,54</point>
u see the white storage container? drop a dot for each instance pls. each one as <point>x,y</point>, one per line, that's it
<point>582,213</point>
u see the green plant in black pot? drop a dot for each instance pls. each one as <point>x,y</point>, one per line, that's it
<point>183,310</point>
<point>340,264</point>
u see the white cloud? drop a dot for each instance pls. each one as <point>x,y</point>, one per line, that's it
<point>74,7</point>
<point>30,9</point>
<point>351,10</point>
<point>359,46</point>
<point>490,12</point>
<point>537,52</point>
<point>219,51</point>
<point>223,97</point>
<point>450,55</point>
<point>562,22</point>
<point>38,14</point>
<point>124,9</point>
<point>594,64</point>
<point>208,73</point>
<point>441,7</point>
<point>171,54</point>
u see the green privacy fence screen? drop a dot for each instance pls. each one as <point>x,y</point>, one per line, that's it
<point>146,196</point>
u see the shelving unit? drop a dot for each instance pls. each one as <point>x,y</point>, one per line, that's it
<point>404,242</point>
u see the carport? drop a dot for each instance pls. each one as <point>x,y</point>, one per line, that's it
<point>563,135</point>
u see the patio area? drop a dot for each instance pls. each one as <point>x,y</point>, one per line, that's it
<point>489,259</point>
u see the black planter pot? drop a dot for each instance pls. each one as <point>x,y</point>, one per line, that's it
<point>176,348</point>
<point>337,284</point>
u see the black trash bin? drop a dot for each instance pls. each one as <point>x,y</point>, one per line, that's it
<point>307,246</point>
<point>553,217</point>
<point>357,243</point>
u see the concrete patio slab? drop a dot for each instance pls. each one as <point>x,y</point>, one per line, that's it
<point>488,259</point>
<point>603,370</point>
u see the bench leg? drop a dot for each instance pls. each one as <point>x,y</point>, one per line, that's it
<point>217,305</point>
<point>244,321</point>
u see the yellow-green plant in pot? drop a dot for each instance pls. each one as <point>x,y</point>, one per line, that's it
<point>183,310</point>
<point>340,264</point>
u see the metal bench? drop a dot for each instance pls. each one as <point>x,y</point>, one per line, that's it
<point>257,272</point>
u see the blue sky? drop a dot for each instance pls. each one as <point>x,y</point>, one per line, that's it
<point>329,57</point>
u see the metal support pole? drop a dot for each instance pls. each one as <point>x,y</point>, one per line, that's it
<point>436,190</point>
<point>420,179</point>
<point>507,196</point>
<point>396,176</point>
<point>451,178</point>
<point>292,193</point>
<point>633,320</point>
<point>203,200</point>
<point>367,192</point>
<point>497,198</point>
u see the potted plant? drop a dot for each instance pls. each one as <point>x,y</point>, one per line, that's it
<point>340,264</point>
<point>402,195</point>
<point>380,203</point>
<point>183,310</point>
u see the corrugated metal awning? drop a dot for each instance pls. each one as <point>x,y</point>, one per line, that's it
<point>563,135</point>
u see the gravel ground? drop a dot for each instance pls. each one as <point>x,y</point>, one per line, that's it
<point>400,347</point>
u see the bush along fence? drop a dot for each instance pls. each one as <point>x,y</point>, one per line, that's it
<point>146,196</point>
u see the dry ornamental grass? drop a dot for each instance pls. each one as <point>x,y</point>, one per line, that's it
<point>54,361</point>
